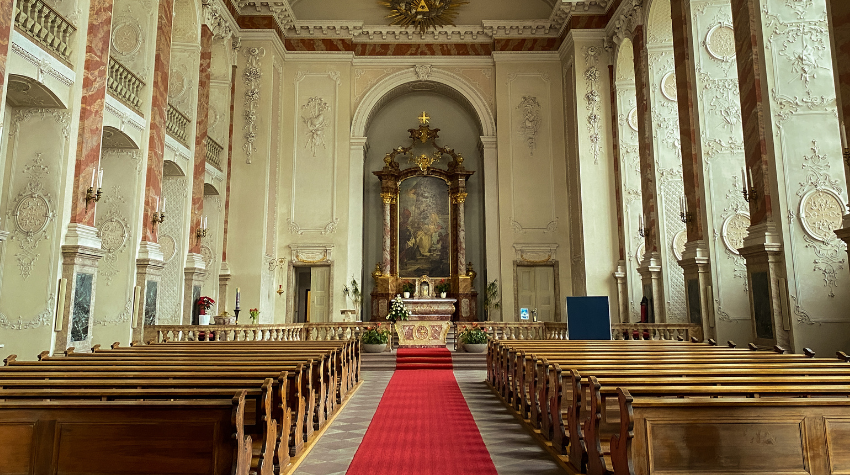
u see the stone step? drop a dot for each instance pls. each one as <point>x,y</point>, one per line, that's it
<point>386,361</point>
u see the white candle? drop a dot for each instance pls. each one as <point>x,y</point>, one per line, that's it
<point>237,297</point>
<point>205,222</point>
<point>749,179</point>
<point>100,178</point>
<point>163,203</point>
<point>843,136</point>
<point>640,221</point>
<point>157,204</point>
<point>743,179</point>
<point>93,173</point>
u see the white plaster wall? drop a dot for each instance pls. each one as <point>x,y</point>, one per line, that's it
<point>532,179</point>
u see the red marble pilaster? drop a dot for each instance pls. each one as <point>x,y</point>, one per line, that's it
<point>649,193</point>
<point>201,125</point>
<point>229,165</point>
<point>92,100</point>
<point>159,109</point>
<point>688,117</point>
<point>7,19</point>
<point>755,107</point>
<point>618,180</point>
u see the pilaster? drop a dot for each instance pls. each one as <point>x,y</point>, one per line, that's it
<point>766,275</point>
<point>622,292</point>
<point>653,286</point>
<point>81,254</point>
<point>223,287</point>
<point>149,266</point>
<point>697,266</point>
<point>194,273</point>
<point>490,155</point>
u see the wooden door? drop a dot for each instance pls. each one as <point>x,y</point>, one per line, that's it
<point>536,290</point>
<point>320,294</point>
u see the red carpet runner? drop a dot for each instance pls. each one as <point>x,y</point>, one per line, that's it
<point>423,425</point>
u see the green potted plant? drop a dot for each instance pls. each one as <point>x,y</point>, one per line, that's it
<point>255,315</point>
<point>442,288</point>
<point>374,340</point>
<point>491,299</point>
<point>473,338</point>
<point>204,304</point>
<point>407,288</point>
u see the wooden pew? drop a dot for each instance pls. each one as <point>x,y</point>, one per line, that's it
<point>126,437</point>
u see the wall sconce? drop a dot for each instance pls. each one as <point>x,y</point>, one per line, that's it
<point>159,217</point>
<point>684,214</point>
<point>202,231</point>
<point>748,190</point>
<point>278,264</point>
<point>643,231</point>
<point>91,194</point>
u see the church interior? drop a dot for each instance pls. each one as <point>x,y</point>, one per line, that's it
<point>564,236</point>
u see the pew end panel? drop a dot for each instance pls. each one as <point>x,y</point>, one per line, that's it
<point>764,436</point>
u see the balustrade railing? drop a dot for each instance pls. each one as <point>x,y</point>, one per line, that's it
<point>124,84</point>
<point>656,331</point>
<point>176,124</point>
<point>213,152</point>
<point>45,25</point>
<point>351,331</point>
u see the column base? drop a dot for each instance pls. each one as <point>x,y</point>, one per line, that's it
<point>194,274</point>
<point>697,266</point>
<point>79,268</point>
<point>653,288</point>
<point>223,284</point>
<point>149,267</point>
<point>622,291</point>
<point>766,278</point>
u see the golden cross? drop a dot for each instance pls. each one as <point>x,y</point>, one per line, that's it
<point>424,119</point>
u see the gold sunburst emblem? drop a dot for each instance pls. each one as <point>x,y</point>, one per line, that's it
<point>423,14</point>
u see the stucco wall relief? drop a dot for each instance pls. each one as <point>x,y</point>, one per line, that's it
<point>32,211</point>
<point>720,42</point>
<point>252,76</point>
<point>592,97</point>
<point>313,115</point>
<point>531,121</point>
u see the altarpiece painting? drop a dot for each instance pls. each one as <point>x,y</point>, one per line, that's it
<point>424,228</point>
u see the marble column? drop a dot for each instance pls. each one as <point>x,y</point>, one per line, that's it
<point>839,26</point>
<point>650,268</point>
<point>149,261</point>
<point>224,275</point>
<point>82,247</point>
<point>386,258</point>
<point>195,270</point>
<point>695,260</point>
<point>763,249</point>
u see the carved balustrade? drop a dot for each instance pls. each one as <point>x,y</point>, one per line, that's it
<point>213,153</point>
<point>656,331</point>
<point>512,330</point>
<point>556,331</point>
<point>45,25</point>
<point>124,84</point>
<point>176,124</point>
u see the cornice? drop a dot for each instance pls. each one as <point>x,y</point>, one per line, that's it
<point>627,17</point>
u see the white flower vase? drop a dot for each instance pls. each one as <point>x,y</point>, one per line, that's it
<point>442,295</point>
<point>407,295</point>
<point>203,319</point>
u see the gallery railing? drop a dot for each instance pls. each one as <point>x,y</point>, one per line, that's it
<point>45,25</point>
<point>213,152</point>
<point>176,124</point>
<point>124,84</point>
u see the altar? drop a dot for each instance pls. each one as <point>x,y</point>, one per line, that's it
<point>424,236</point>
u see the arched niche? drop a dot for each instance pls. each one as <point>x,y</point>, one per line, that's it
<point>210,190</point>
<point>460,128</point>
<point>170,168</point>
<point>24,91</point>
<point>117,139</point>
<point>439,82</point>
<point>624,68</point>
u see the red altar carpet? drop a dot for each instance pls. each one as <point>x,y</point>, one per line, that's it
<point>422,427</point>
<point>423,358</point>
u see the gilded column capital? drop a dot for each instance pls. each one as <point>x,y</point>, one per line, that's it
<point>459,198</point>
<point>389,198</point>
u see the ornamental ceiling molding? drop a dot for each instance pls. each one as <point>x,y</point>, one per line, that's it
<point>218,23</point>
<point>628,16</point>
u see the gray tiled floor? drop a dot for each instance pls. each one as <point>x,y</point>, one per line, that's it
<point>513,451</point>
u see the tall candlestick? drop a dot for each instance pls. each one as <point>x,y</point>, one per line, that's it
<point>238,297</point>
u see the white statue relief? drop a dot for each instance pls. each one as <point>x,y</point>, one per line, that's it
<point>316,122</point>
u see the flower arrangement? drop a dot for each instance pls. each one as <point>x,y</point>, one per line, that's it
<point>442,287</point>
<point>375,336</point>
<point>398,311</point>
<point>408,287</point>
<point>204,304</point>
<point>255,315</point>
<point>472,335</point>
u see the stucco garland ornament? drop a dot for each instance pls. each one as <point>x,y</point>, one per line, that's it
<point>422,14</point>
